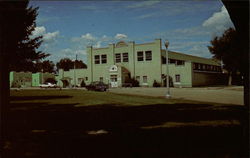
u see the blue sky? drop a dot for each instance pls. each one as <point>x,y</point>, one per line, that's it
<point>68,27</point>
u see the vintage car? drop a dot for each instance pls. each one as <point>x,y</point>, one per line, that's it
<point>97,86</point>
<point>48,85</point>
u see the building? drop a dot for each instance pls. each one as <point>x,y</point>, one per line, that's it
<point>146,63</point>
<point>29,79</point>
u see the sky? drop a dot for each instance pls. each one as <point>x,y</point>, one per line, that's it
<point>68,27</point>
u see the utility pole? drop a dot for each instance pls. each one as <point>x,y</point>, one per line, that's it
<point>167,70</point>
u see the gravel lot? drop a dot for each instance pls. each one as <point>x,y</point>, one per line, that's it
<point>224,95</point>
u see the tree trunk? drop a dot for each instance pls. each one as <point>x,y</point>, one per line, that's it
<point>4,94</point>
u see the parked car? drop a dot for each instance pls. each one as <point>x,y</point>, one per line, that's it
<point>97,86</point>
<point>48,85</point>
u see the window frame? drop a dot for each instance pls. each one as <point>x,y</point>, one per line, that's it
<point>141,57</point>
<point>104,58</point>
<point>177,78</point>
<point>97,60</point>
<point>125,57</point>
<point>148,58</point>
<point>118,60</point>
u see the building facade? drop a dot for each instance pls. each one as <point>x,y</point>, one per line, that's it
<point>146,63</point>
<point>29,79</point>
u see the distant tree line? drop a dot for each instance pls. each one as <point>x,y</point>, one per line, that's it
<point>47,65</point>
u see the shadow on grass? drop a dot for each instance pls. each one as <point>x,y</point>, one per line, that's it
<point>62,130</point>
<point>18,98</point>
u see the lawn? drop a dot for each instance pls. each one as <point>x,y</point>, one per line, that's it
<point>87,98</point>
<point>78,123</point>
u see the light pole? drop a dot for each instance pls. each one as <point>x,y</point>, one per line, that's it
<point>75,72</point>
<point>167,71</point>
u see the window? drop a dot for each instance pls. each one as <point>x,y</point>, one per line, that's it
<point>86,78</point>
<point>195,66</point>
<point>118,58</point>
<point>203,67</point>
<point>172,61</point>
<point>163,60</point>
<point>177,78</point>
<point>180,62</point>
<point>104,59</point>
<point>125,57</point>
<point>138,78</point>
<point>113,78</point>
<point>199,66</point>
<point>148,55</point>
<point>145,79</point>
<point>101,79</point>
<point>140,56</point>
<point>97,59</point>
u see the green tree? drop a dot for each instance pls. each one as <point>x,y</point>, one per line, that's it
<point>227,49</point>
<point>45,66</point>
<point>16,47</point>
<point>67,64</point>
<point>80,64</point>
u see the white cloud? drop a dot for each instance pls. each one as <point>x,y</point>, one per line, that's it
<point>81,52</point>
<point>219,21</point>
<point>120,36</point>
<point>40,30</point>
<point>200,50</point>
<point>88,36</point>
<point>50,36</point>
<point>144,4</point>
<point>98,44</point>
<point>47,36</point>
<point>71,53</point>
<point>146,16</point>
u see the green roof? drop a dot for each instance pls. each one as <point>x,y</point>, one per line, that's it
<point>186,57</point>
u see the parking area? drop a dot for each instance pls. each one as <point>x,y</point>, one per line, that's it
<point>224,95</point>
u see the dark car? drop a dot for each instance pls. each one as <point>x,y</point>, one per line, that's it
<point>97,86</point>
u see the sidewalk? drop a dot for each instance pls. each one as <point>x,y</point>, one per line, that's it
<point>224,95</point>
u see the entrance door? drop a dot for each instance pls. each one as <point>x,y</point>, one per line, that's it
<point>113,81</point>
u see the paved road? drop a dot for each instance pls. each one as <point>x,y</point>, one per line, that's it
<point>225,95</point>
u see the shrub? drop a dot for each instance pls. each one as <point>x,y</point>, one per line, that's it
<point>156,84</point>
<point>83,83</point>
<point>16,84</point>
<point>133,81</point>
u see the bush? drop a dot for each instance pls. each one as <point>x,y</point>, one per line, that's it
<point>156,84</point>
<point>133,81</point>
<point>16,84</point>
<point>83,83</point>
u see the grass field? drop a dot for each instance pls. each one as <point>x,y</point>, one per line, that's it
<point>78,123</point>
<point>87,98</point>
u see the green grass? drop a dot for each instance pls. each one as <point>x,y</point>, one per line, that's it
<point>88,98</point>
<point>65,123</point>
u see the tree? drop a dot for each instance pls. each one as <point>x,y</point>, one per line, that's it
<point>227,49</point>
<point>239,14</point>
<point>80,64</point>
<point>17,23</point>
<point>67,64</point>
<point>45,66</point>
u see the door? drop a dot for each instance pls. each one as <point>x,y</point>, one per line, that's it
<point>113,81</point>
